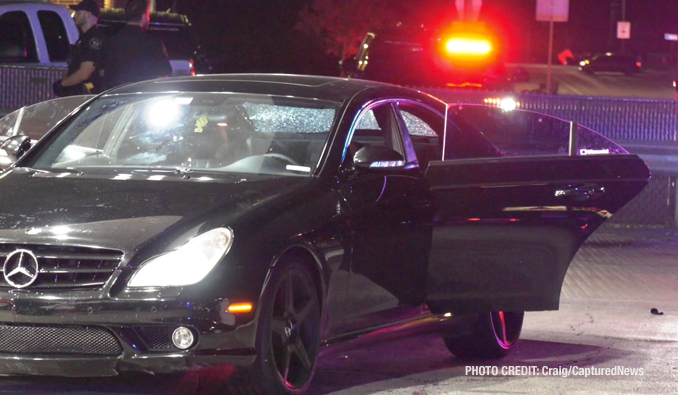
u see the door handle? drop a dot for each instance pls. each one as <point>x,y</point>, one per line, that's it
<point>581,192</point>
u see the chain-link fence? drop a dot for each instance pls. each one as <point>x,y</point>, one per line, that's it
<point>655,205</point>
<point>615,118</point>
<point>23,86</point>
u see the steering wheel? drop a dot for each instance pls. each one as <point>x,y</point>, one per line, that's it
<point>281,157</point>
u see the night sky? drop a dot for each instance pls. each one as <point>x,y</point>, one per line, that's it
<point>259,35</point>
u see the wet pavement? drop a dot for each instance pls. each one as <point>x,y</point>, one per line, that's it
<point>605,329</point>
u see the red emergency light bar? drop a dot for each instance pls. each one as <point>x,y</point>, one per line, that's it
<point>468,46</point>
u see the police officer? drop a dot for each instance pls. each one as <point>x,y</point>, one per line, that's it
<point>132,55</point>
<point>85,56</point>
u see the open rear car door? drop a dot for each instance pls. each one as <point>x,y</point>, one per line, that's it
<point>516,195</point>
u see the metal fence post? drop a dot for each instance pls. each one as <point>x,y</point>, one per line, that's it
<point>573,139</point>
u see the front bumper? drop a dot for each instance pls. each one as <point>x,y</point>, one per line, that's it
<point>74,366</point>
<point>43,336</point>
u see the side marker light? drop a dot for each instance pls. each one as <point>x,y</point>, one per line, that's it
<point>240,308</point>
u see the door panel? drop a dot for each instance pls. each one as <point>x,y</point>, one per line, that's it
<point>391,233</point>
<point>506,229</point>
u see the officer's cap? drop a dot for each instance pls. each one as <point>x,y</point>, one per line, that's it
<point>87,5</point>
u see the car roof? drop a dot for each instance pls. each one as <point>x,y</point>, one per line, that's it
<point>25,1</point>
<point>404,33</point>
<point>305,86</point>
<point>117,15</point>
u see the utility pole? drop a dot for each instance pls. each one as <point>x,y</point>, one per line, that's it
<point>468,10</point>
<point>552,11</point>
<point>623,42</point>
<point>612,39</point>
<point>549,61</point>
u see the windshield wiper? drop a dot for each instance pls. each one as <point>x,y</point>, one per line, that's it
<point>162,172</point>
<point>53,170</point>
<point>183,170</point>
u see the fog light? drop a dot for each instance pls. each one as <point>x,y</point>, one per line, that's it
<point>182,338</point>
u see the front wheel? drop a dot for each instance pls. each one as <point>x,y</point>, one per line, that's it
<point>493,336</point>
<point>288,334</point>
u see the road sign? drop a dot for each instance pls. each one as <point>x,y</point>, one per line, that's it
<point>553,10</point>
<point>670,36</point>
<point>623,30</point>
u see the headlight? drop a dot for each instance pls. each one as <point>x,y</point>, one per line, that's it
<point>186,265</point>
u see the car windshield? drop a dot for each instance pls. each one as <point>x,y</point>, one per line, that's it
<point>36,120</point>
<point>215,132</point>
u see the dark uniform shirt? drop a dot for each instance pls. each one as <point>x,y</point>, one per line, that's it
<point>132,56</point>
<point>88,48</point>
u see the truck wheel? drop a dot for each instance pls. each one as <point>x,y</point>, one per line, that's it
<point>493,336</point>
<point>288,334</point>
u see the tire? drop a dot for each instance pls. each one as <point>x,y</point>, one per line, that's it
<point>493,336</point>
<point>288,335</point>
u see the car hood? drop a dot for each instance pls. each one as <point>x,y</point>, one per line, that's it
<point>123,214</point>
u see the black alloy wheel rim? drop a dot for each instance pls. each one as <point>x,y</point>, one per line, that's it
<point>506,327</point>
<point>295,328</point>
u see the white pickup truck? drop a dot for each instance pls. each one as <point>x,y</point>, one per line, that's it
<point>35,38</point>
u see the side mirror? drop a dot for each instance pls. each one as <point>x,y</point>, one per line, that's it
<point>377,157</point>
<point>16,146</point>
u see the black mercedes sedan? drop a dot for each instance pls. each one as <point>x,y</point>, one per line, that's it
<point>261,221</point>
